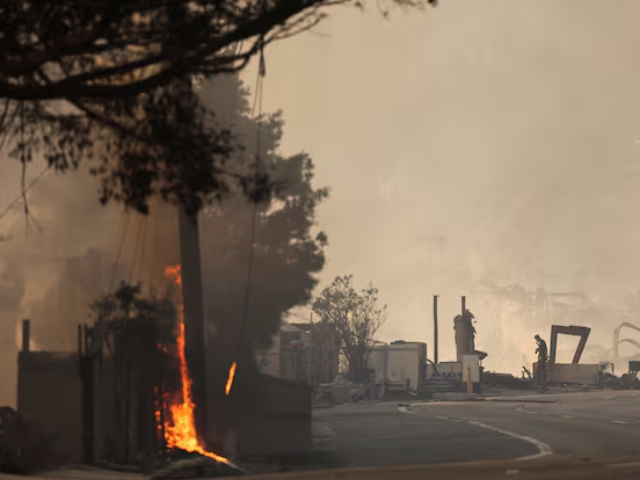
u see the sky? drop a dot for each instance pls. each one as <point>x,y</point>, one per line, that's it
<point>509,128</point>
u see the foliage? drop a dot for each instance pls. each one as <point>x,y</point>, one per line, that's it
<point>125,310</point>
<point>277,233</point>
<point>356,316</point>
<point>137,329</point>
<point>114,80</point>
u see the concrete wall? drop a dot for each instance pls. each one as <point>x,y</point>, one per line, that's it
<point>582,373</point>
<point>50,397</point>
<point>278,420</point>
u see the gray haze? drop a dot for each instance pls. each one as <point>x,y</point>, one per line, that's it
<point>55,266</point>
<point>508,127</point>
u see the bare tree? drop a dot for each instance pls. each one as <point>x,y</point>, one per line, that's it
<point>356,316</point>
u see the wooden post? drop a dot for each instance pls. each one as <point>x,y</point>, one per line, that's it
<point>469,382</point>
<point>435,329</point>
<point>193,314</point>
<point>26,334</point>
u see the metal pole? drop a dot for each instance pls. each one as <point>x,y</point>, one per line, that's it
<point>85,336</point>
<point>26,335</point>
<point>435,329</point>
<point>310,370</point>
<point>80,352</point>
<point>463,303</point>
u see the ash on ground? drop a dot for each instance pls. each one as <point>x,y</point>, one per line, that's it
<point>193,465</point>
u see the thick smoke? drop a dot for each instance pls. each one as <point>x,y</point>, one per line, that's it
<point>546,123</point>
<point>65,220</point>
<point>62,256</point>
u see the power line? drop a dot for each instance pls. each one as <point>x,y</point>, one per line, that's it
<point>301,317</point>
<point>143,250</point>
<point>154,247</point>
<point>26,189</point>
<point>254,211</point>
<point>122,237</point>
<point>141,225</point>
<point>8,125</point>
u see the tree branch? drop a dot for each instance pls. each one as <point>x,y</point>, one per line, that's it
<point>179,63</point>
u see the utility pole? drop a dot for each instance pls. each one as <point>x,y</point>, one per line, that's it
<point>435,329</point>
<point>26,335</point>
<point>193,315</point>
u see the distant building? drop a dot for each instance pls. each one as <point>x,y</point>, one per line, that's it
<point>303,352</point>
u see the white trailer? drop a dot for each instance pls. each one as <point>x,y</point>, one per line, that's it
<point>400,365</point>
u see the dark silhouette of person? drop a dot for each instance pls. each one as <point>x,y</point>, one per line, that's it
<point>542,353</point>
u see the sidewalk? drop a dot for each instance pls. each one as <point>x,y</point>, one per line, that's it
<point>551,468</point>
<point>77,473</point>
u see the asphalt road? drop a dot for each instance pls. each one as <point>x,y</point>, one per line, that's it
<point>359,435</point>
<point>594,424</point>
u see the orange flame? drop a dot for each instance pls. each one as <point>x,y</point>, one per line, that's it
<point>180,430</point>
<point>232,374</point>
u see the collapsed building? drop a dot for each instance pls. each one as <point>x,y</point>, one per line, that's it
<point>467,374</point>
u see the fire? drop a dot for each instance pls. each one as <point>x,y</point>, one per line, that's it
<point>180,429</point>
<point>232,374</point>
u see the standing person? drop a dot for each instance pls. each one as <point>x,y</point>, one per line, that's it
<point>542,359</point>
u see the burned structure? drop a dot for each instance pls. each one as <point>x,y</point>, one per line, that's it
<point>465,334</point>
<point>573,372</point>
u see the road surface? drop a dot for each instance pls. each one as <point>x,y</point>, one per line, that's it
<point>595,424</point>
<point>381,435</point>
<point>557,469</point>
<point>544,468</point>
<point>582,424</point>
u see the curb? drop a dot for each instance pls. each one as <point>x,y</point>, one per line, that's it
<point>504,400</point>
<point>521,400</point>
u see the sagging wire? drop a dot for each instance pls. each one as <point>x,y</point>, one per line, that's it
<point>24,158</point>
<point>6,128</point>
<point>143,249</point>
<point>142,231</point>
<point>257,103</point>
<point>154,247</point>
<point>120,247</point>
<point>19,197</point>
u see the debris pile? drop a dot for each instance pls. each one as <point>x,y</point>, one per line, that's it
<point>493,379</point>
<point>343,391</point>
<point>607,378</point>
